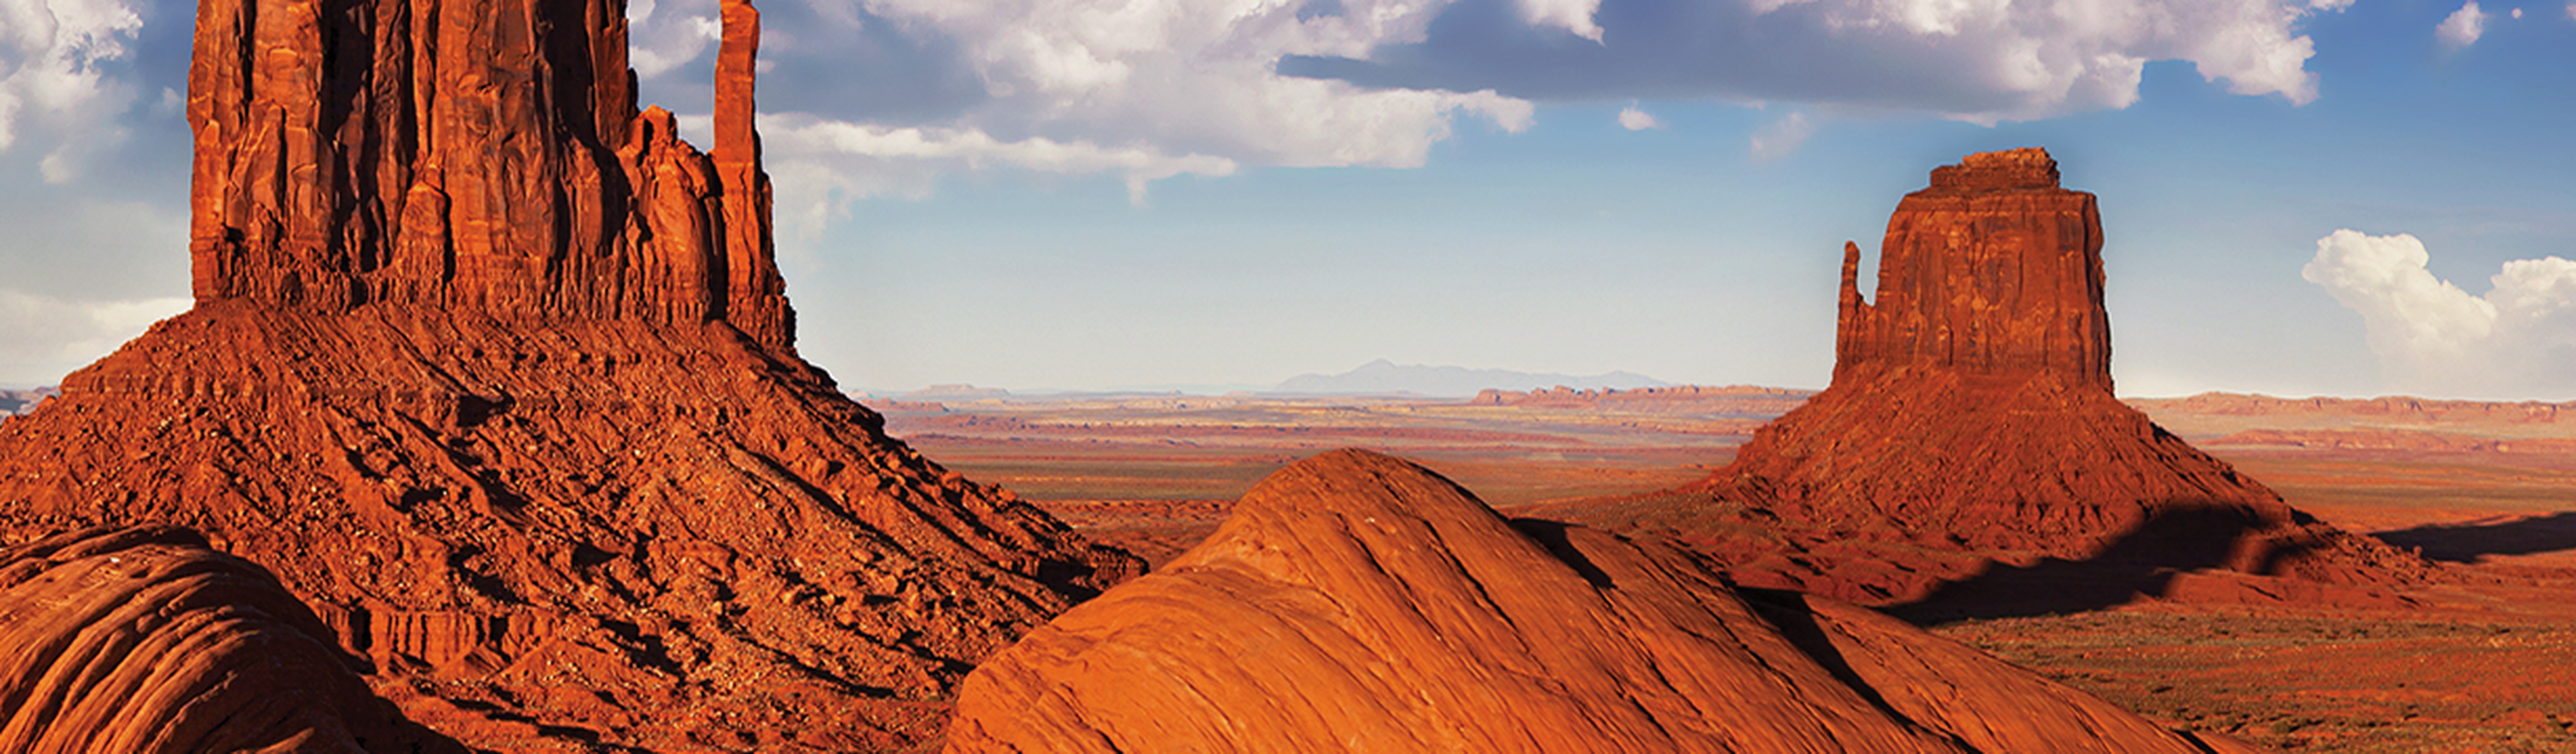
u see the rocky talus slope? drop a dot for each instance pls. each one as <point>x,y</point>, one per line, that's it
<point>1357,602</point>
<point>497,374</point>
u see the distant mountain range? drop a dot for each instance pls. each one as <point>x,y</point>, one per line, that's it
<point>14,402</point>
<point>1386,377</point>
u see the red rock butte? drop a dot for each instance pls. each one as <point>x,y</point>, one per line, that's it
<point>1994,270</point>
<point>472,155</point>
<point>1357,602</point>
<point>1971,432</point>
<point>498,375</point>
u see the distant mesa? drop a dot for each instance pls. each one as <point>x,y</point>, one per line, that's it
<point>1697,400</point>
<point>955,393</point>
<point>497,374</point>
<point>2391,410</point>
<point>142,639</point>
<point>15,402</point>
<point>1382,377</point>
<point>1357,602</point>
<point>2401,440</point>
<point>1971,433</point>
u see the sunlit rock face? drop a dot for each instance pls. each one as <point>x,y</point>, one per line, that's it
<point>497,374</point>
<point>481,155</point>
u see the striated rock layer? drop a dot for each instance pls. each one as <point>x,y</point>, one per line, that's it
<point>498,375</point>
<point>143,640</point>
<point>1356,602</point>
<point>1971,432</point>
<point>482,155</point>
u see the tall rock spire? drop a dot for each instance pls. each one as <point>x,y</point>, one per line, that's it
<point>756,298</point>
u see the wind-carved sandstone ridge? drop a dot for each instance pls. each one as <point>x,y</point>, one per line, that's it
<point>1357,602</point>
<point>1971,433</point>
<point>142,639</point>
<point>497,374</point>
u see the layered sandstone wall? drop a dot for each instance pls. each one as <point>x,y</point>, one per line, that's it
<point>1994,269</point>
<point>484,154</point>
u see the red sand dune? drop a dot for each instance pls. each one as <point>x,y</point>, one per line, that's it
<point>1358,602</point>
<point>144,640</point>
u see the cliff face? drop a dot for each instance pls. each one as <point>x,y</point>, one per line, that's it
<point>1971,421</point>
<point>471,154</point>
<point>496,374</point>
<point>1356,602</point>
<point>1994,270</point>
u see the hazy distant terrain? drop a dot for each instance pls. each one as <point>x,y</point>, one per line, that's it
<point>15,402</point>
<point>1382,377</point>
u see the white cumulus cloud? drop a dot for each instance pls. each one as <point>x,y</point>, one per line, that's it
<point>1982,61</point>
<point>1143,89</point>
<point>1574,16</point>
<point>1781,137</point>
<point>1634,119</point>
<point>46,337</point>
<point>50,55</point>
<point>819,139</point>
<point>2463,27</point>
<point>2431,336</point>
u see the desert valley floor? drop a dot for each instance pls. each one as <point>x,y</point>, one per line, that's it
<point>2477,662</point>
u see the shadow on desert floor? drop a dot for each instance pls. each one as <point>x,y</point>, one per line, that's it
<point>2465,543</point>
<point>2141,563</point>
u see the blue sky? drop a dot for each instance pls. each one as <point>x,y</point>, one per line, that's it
<point>1088,194</point>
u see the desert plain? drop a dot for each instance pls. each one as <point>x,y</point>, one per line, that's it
<point>2476,662</point>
